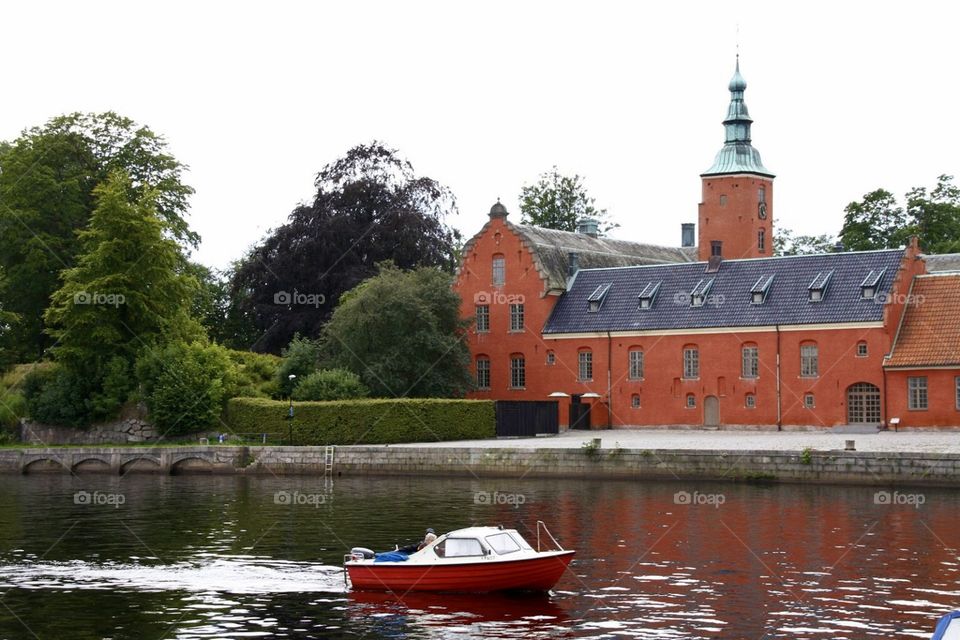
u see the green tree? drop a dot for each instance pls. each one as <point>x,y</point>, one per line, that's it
<point>401,332</point>
<point>124,295</point>
<point>47,180</point>
<point>556,201</point>
<point>185,385</point>
<point>876,222</point>
<point>935,216</point>
<point>300,359</point>
<point>785,243</point>
<point>369,206</point>
<point>7,322</point>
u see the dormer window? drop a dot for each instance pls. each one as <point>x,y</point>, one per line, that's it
<point>646,297</point>
<point>699,294</point>
<point>758,293</point>
<point>870,284</point>
<point>818,288</point>
<point>595,301</point>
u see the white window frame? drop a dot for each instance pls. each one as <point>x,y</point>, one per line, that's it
<point>518,372</point>
<point>483,318</point>
<point>499,271</point>
<point>918,397</point>
<point>809,361</point>
<point>516,316</point>
<point>585,365</point>
<point>485,370</point>
<point>635,361</point>
<point>691,363</point>
<point>750,361</point>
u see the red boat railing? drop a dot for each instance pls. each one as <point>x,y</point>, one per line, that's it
<point>541,524</point>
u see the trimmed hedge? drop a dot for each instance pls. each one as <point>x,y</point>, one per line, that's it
<point>367,421</point>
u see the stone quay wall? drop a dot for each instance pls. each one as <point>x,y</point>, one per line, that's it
<point>827,467</point>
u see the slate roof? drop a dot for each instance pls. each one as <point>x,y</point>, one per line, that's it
<point>727,301</point>
<point>552,248</point>
<point>937,262</point>
<point>929,333</point>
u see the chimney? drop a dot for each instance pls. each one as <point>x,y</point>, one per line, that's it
<point>716,256</point>
<point>573,264</point>
<point>686,234</point>
<point>588,227</point>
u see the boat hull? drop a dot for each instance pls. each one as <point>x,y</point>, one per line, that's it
<point>527,574</point>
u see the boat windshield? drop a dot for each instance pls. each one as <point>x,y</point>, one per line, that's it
<point>519,538</point>
<point>459,548</point>
<point>503,543</point>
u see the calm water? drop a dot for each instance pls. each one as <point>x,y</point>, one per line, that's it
<point>219,557</point>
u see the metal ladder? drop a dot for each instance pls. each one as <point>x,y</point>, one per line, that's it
<point>328,460</point>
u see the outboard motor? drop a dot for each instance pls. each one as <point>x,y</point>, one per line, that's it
<point>362,553</point>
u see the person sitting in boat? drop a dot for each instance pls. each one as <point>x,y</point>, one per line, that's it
<point>427,539</point>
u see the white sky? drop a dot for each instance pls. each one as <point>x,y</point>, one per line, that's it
<point>257,97</point>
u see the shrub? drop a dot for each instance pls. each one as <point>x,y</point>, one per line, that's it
<point>299,359</point>
<point>256,374</point>
<point>368,421</point>
<point>185,386</point>
<point>330,384</point>
<point>56,396</point>
<point>13,406</point>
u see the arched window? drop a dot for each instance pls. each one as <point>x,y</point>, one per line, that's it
<point>750,401</point>
<point>749,360</point>
<point>585,361</point>
<point>809,360</point>
<point>518,371</point>
<point>691,362</point>
<point>499,270</point>
<point>635,356</point>
<point>483,372</point>
<point>635,401</point>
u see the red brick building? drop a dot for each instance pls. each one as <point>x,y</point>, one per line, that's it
<point>719,335</point>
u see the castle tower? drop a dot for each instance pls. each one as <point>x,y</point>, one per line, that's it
<point>736,208</point>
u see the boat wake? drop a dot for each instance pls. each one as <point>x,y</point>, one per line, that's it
<point>227,574</point>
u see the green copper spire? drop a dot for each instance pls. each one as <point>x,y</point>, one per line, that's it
<point>737,154</point>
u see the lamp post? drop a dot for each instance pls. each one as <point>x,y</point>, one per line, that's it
<point>291,377</point>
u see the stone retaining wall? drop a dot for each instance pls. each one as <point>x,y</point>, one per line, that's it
<point>775,466</point>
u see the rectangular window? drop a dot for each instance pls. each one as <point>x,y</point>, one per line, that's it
<point>862,350</point>
<point>808,401</point>
<point>956,382</point>
<point>586,365</point>
<point>516,317</point>
<point>483,373</point>
<point>750,401</point>
<point>762,194</point>
<point>499,271</point>
<point>750,366</point>
<point>917,393</point>
<point>691,363</point>
<point>518,372</point>
<point>809,361</point>
<point>762,241</point>
<point>636,364</point>
<point>691,401</point>
<point>483,318</point>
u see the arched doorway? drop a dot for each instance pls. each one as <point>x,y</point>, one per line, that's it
<point>863,403</point>
<point>711,411</point>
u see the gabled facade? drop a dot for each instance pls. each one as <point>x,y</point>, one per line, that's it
<point>719,335</point>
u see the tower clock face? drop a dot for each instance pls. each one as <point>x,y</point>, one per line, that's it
<point>762,210</point>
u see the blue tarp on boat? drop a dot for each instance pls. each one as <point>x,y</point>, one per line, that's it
<point>944,624</point>
<point>391,556</point>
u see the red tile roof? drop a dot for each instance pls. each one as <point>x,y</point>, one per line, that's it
<point>930,332</point>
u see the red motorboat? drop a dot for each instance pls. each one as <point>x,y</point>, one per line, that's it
<point>476,559</point>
